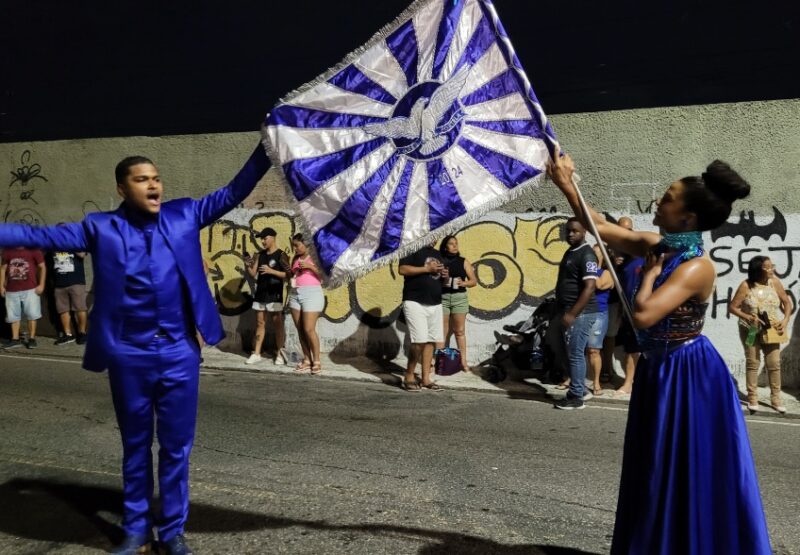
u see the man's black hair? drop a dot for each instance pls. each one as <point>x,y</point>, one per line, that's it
<point>123,168</point>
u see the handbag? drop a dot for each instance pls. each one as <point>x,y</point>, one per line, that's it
<point>770,336</point>
<point>448,361</point>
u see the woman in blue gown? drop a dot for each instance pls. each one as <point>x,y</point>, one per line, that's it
<point>688,484</point>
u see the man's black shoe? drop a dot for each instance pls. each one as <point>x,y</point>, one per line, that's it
<point>570,403</point>
<point>81,340</point>
<point>176,546</point>
<point>133,544</point>
<point>64,339</point>
<point>11,344</point>
<point>32,344</point>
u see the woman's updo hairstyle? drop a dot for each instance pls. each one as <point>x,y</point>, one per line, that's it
<point>711,195</point>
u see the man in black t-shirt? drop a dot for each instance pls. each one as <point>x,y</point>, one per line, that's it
<point>576,301</point>
<point>269,268</point>
<point>69,292</point>
<point>424,272</point>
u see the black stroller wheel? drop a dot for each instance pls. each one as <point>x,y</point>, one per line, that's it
<point>494,373</point>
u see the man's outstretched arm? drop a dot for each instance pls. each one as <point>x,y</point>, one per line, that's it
<point>212,207</point>
<point>67,237</point>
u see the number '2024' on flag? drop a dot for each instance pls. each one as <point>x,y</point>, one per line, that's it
<point>425,128</point>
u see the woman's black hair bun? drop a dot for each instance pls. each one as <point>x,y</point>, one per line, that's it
<point>723,181</point>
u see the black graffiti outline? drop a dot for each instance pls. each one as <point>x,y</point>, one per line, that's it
<point>747,228</point>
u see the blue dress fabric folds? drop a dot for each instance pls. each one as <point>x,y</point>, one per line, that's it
<point>689,484</point>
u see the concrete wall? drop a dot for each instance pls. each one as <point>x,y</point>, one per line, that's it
<point>626,159</point>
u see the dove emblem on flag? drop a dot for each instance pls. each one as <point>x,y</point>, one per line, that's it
<point>422,125</point>
<point>422,130</point>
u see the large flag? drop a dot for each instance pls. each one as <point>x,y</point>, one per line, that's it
<point>426,127</point>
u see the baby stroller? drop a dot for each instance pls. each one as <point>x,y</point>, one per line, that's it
<point>523,344</point>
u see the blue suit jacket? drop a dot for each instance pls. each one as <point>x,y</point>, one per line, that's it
<point>103,234</point>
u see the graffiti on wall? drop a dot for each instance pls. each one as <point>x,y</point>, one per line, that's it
<point>735,243</point>
<point>515,260</point>
<point>20,199</point>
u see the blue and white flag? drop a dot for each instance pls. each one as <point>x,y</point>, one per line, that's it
<point>428,126</point>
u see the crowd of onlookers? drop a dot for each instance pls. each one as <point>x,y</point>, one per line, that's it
<point>28,274</point>
<point>589,327</point>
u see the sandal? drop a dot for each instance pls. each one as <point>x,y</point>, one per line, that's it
<point>433,386</point>
<point>316,368</point>
<point>303,367</point>
<point>411,386</point>
<point>597,391</point>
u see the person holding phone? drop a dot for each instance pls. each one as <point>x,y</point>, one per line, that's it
<point>307,302</point>
<point>270,269</point>
<point>455,304</point>
<point>423,273</point>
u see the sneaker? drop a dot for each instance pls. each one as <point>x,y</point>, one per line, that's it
<point>31,344</point>
<point>588,395</point>
<point>81,339</point>
<point>255,357</point>
<point>64,339</point>
<point>281,358</point>
<point>177,546</point>
<point>11,344</point>
<point>133,544</point>
<point>570,403</point>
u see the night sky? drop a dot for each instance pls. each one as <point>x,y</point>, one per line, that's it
<point>96,69</point>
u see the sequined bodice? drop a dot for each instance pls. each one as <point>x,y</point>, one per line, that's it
<point>683,323</point>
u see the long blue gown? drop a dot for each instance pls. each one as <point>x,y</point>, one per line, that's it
<point>688,485</point>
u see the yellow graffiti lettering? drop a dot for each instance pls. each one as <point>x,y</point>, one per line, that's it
<point>489,246</point>
<point>380,292</point>
<point>512,267</point>
<point>337,305</point>
<point>539,249</point>
<point>227,282</point>
<point>281,223</point>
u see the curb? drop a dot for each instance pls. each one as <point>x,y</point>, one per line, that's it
<point>515,389</point>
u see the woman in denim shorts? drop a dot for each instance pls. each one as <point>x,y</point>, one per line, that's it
<point>594,348</point>
<point>455,304</point>
<point>306,301</point>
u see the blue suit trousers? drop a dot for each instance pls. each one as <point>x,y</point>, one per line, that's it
<point>155,387</point>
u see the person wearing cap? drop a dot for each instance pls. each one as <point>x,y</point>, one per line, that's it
<point>269,269</point>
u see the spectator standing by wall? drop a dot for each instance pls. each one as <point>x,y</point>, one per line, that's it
<point>603,287</point>
<point>455,304</point>
<point>629,277</point>
<point>423,273</point>
<point>615,311</point>
<point>270,268</point>
<point>69,292</point>
<point>628,272</point>
<point>757,303</point>
<point>575,295</point>
<point>306,301</point>
<point>22,281</point>
<point>615,316</point>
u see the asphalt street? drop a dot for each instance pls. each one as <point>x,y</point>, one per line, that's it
<point>298,464</point>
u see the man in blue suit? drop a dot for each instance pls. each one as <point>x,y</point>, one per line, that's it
<point>150,298</point>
